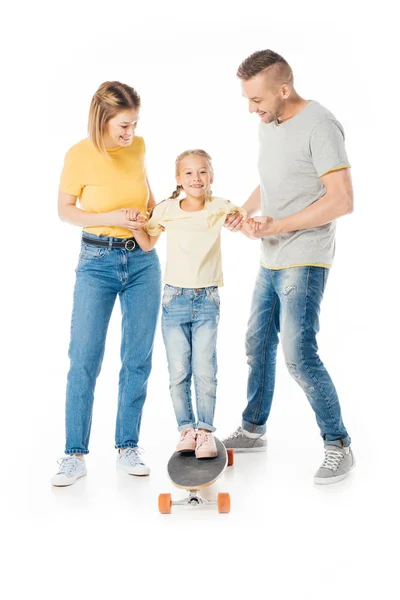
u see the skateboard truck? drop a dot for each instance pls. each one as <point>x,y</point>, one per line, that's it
<point>165,502</point>
<point>194,499</point>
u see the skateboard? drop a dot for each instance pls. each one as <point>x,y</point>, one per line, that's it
<point>192,474</point>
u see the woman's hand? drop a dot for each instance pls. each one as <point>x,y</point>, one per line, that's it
<point>128,218</point>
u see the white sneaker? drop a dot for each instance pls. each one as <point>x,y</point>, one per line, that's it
<point>131,462</point>
<point>71,469</point>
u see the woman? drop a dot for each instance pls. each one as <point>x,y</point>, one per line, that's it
<point>106,173</point>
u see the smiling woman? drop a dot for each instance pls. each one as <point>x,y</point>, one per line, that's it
<point>106,174</point>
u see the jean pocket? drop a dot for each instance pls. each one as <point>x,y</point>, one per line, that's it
<point>89,252</point>
<point>213,295</point>
<point>169,295</point>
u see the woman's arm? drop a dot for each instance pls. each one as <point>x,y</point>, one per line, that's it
<point>69,212</point>
<point>151,202</point>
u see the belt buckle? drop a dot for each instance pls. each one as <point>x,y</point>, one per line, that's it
<point>130,245</point>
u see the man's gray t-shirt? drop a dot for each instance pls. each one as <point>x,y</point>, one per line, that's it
<point>293,156</point>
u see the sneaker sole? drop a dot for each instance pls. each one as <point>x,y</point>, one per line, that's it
<point>328,480</point>
<point>207,456</point>
<point>68,483</point>
<point>130,472</point>
<point>262,449</point>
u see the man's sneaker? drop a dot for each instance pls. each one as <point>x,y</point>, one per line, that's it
<point>130,461</point>
<point>240,442</point>
<point>71,469</point>
<point>337,465</point>
<point>205,445</point>
<point>187,443</point>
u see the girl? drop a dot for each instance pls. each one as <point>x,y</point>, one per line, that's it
<point>106,173</point>
<point>190,303</point>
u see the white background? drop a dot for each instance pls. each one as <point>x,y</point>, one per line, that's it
<point>285,538</point>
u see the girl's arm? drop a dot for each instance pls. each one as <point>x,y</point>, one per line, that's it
<point>145,241</point>
<point>235,221</point>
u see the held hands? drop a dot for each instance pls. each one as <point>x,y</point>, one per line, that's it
<point>234,221</point>
<point>129,218</point>
<point>260,227</point>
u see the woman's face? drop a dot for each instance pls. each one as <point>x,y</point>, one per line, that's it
<point>121,128</point>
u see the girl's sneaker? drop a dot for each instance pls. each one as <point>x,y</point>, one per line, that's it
<point>187,443</point>
<point>71,469</point>
<point>205,445</point>
<point>130,461</point>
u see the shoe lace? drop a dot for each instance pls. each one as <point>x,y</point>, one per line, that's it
<point>132,455</point>
<point>332,460</point>
<point>185,433</point>
<point>235,434</point>
<point>67,465</point>
<point>203,437</point>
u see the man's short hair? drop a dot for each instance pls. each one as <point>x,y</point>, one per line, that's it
<point>265,60</point>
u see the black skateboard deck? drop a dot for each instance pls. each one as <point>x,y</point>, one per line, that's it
<point>190,473</point>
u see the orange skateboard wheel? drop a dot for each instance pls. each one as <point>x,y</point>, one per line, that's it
<point>231,457</point>
<point>224,503</point>
<point>164,504</point>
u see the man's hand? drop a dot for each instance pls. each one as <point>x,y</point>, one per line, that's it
<point>260,227</point>
<point>234,221</point>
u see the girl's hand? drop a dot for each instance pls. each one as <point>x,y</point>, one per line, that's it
<point>234,221</point>
<point>133,214</point>
<point>121,218</point>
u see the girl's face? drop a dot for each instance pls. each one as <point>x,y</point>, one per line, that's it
<point>121,128</point>
<point>194,175</point>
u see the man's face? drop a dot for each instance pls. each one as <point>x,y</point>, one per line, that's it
<point>266,97</point>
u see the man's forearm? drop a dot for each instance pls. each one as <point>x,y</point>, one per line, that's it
<point>253,204</point>
<point>326,209</point>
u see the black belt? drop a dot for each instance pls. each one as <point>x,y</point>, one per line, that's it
<point>128,244</point>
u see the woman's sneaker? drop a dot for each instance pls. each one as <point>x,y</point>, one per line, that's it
<point>205,445</point>
<point>337,464</point>
<point>243,441</point>
<point>71,469</point>
<point>187,443</point>
<point>130,461</point>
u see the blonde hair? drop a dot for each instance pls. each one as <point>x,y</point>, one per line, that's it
<point>110,98</point>
<point>176,193</point>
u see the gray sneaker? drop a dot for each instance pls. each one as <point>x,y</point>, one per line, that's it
<point>337,465</point>
<point>240,442</point>
<point>131,462</point>
<point>71,469</point>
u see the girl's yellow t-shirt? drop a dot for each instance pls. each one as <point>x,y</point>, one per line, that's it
<point>105,183</point>
<point>193,241</point>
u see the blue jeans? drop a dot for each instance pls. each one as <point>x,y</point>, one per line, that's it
<point>101,275</point>
<point>189,326</point>
<point>288,301</point>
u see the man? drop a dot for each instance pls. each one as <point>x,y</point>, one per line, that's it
<point>305,185</point>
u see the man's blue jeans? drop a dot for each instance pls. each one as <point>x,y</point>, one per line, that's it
<point>288,301</point>
<point>102,275</point>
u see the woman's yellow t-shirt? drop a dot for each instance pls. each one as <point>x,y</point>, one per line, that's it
<point>105,183</point>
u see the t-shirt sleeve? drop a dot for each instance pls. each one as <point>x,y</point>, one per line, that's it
<point>327,147</point>
<point>71,180</point>
<point>153,226</point>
